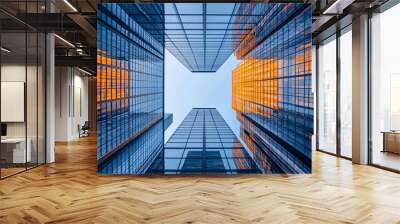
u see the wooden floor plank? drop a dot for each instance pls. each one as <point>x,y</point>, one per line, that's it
<point>70,191</point>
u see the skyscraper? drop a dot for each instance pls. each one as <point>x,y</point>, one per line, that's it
<point>130,98</point>
<point>271,90</point>
<point>204,143</point>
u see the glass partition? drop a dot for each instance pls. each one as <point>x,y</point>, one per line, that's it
<point>22,77</point>
<point>334,68</point>
<point>13,94</point>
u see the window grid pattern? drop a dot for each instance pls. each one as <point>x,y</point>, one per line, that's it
<point>202,36</point>
<point>272,91</point>
<point>265,162</point>
<point>137,156</point>
<point>130,68</point>
<point>273,16</point>
<point>204,143</point>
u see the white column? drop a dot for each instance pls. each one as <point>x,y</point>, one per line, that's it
<point>360,90</point>
<point>50,100</point>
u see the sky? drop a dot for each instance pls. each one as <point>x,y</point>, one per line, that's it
<point>185,90</point>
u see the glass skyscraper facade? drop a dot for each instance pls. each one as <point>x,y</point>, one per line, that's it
<point>130,98</point>
<point>168,119</point>
<point>204,143</point>
<point>202,36</point>
<point>271,89</point>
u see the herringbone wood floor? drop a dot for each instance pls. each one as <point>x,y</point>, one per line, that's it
<point>70,191</point>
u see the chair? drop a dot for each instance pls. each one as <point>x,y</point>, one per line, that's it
<point>84,130</point>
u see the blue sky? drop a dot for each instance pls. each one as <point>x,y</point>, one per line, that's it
<point>185,90</point>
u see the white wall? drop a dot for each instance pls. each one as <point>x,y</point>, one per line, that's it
<point>12,73</point>
<point>71,103</point>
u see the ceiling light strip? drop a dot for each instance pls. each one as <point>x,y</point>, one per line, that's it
<point>70,5</point>
<point>84,71</point>
<point>64,40</point>
<point>5,50</point>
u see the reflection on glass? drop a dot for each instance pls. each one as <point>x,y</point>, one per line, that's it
<point>327,96</point>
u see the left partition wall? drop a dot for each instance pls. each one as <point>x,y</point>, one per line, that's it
<point>22,76</point>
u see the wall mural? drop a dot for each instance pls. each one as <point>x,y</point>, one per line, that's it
<point>271,88</point>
